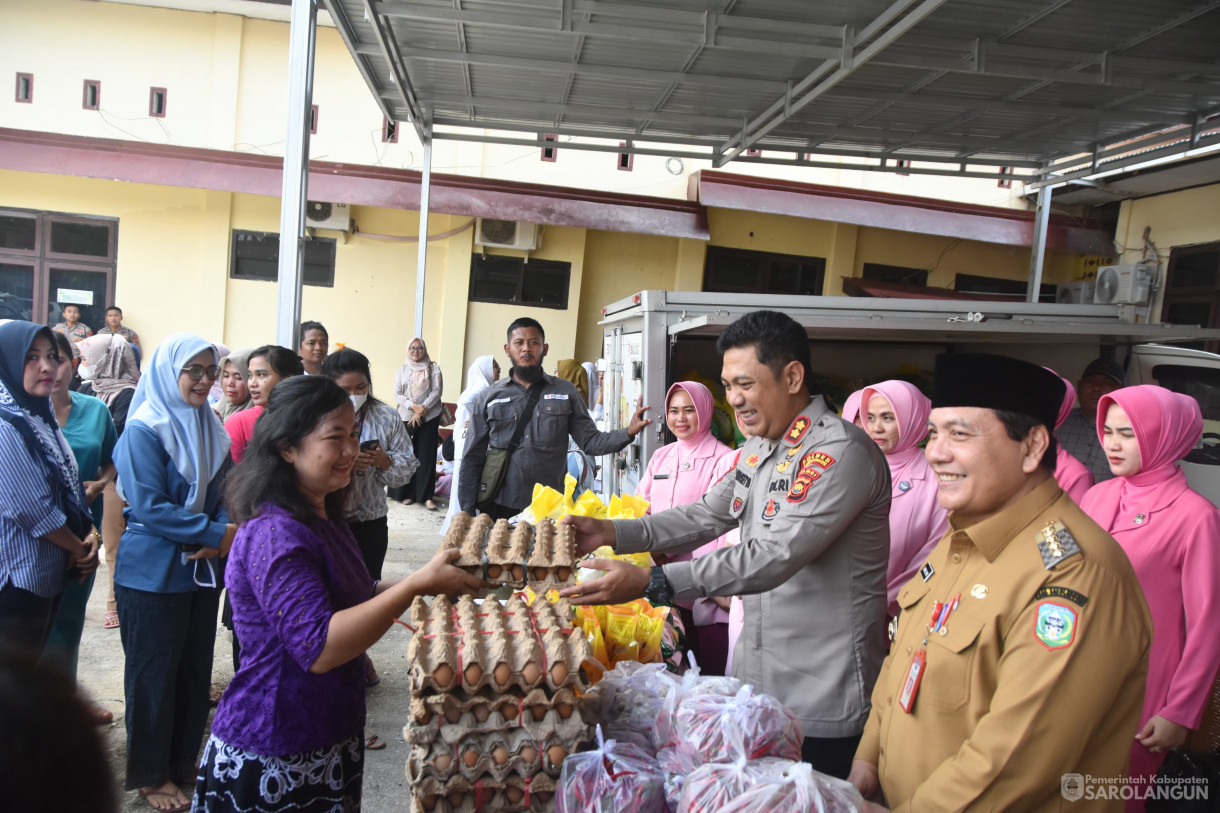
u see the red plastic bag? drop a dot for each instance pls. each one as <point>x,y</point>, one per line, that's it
<point>611,777</point>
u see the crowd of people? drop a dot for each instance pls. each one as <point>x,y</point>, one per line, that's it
<point>1059,612</point>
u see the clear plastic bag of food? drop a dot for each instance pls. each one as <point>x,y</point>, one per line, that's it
<point>765,786</point>
<point>630,700</point>
<point>691,684</point>
<point>613,776</point>
<point>749,724</point>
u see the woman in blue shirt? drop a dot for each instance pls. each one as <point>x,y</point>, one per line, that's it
<point>172,459</point>
<point>43,518</point>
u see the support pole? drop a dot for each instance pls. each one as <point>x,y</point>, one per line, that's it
<point>296,171</point>
<point>421,264</point>
<point>1037,247</point>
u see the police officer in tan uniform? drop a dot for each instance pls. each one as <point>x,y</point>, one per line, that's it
<point>811,495</point>
<point>1019,654</point>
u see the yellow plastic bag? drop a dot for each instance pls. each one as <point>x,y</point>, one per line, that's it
<point>620,633</point>
<point>588,505</point>
<point>649,628</point>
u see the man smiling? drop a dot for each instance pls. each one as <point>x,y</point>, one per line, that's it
<point>1020,651</point>
<point>811,494</point>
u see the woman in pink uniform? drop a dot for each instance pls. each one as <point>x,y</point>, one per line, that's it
<point>1073,476</point>
<point>679,474</point>
<point>895,415</point>
<point>1172,536</point>
<point>851,409</point>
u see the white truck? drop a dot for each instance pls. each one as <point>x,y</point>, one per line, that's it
<point>654,338</point>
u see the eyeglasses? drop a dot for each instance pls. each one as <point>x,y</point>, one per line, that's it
<point>197,371</point>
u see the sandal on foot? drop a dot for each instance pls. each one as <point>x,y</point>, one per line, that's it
<point>408,501</point>
<point>374,743</point>
<point>177,807</point>
<point>110,620</point>
<point>431,506</point>
<point>100,715</point>
<point>214,694</point>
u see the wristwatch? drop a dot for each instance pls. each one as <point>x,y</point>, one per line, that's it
<point>658,592</point>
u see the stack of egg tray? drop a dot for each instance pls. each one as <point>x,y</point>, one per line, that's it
<point>542,556</point>
<point>496,703</point>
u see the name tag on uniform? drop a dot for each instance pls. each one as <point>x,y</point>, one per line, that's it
<point>926,571</point>
<point>660,476</point>
<point>555,396</point>
<point>910,686</point>
<point>499,401</point>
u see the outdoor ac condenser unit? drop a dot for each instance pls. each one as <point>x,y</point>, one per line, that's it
<point>1122,285</point>
<point>506,234</point>
<point>322,215</point>
<point>1075,293</point>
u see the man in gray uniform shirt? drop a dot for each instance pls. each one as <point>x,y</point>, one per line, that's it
<point>811,494</point>
<point>542,454</point>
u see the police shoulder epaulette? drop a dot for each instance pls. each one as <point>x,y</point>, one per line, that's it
<point>1056,543</point>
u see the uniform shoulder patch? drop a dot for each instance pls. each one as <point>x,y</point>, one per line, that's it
<point>798,429</point>
<point>1079,599</point>
<point>1056,543</point>
<point>1055,625</point>
<point>808,473</point>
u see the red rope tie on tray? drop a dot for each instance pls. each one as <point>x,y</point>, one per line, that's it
<point>478,794</point>
<point>527,781</point>
<point>408,626</point>
<point>541,645</point>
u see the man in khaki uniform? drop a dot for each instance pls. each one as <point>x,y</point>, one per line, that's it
<point>1021,649</point>
<point>811,494</point>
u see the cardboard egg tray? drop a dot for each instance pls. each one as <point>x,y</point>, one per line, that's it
<point>494,754</point>
<point>459,795</point>
<point>469,646</point>
<point>449,718</point>
<point>543,556</point>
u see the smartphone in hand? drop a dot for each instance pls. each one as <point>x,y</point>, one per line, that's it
<point>370,445</point>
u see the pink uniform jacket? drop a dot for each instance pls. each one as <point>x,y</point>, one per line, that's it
<point>1172,536</point>
<point>917,522</point>
<point>680,473</point>
<point>1073,476</point>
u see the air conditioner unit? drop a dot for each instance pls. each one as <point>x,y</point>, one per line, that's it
<point>506,234</point>
<point>1122,285</point>
<point>1075,293</point>
<point>322,215</point>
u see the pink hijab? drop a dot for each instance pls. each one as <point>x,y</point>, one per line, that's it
<point>701,397</point>
<point>911,408</point>
<point>1167,425</point>
<point>851,407</point>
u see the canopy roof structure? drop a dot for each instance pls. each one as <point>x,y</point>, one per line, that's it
<point>1041,90</point>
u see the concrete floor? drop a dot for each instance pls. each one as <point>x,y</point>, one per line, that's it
<point>414,538</point>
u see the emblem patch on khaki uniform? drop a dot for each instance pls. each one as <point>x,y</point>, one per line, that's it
<point>810,464</point>
<point>738,504</point>
<point>1056,544</point>
<point>752,460</point>
<point>1055,625</point>
<point>770,510</point>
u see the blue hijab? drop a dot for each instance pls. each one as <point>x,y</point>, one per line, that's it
<point>193,437</point>
<point>34,420</point>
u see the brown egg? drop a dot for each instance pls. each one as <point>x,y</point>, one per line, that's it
<point>530,673</point>
<point>471,757</point>
<point>503,674</point>
<point>517,573</point>
<point>453,712</point>
<point>556,753</point>
<point>540,574</point>
<point>564,709</point>
<point>528,754</point>
<point>515,795</point>
<point>424,716</point>
<point>443,675</point>
<point>559,673</point>
<point>493,571</point>
<point>456,798</point>
<point>442,762</point>
<point>538,713</point>
<point>473,674</point>
<point>499,754</point>
<point>561,574</point>
<point>429,801</point>
<point>543,796</point>
<point>481,712</point>
<point>509,711</point>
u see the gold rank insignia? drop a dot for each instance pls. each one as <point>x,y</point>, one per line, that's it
<point>1056,543</point>
<point>782,466</point>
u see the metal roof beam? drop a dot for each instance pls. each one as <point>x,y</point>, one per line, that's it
<point>892,23</point>
<point>388,48</point>
<point>528,107</point>
<point>346,32</point>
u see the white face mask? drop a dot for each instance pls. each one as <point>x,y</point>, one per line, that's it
<point>358,400</point>
<point>87,372</point>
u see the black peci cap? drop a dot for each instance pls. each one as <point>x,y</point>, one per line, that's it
<point>997,382</point>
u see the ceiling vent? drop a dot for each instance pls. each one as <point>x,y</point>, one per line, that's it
<point>506,234</point>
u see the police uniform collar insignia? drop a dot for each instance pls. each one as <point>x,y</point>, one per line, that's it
<point>798,429</point>
<point>782,466</point>
<point>1056,544</point>
<point>770,510</point>
<point>752,460</point>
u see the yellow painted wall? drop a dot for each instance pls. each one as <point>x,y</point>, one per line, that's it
<point>1176,219</point>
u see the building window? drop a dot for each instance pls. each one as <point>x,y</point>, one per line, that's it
<point>313,120</point>
<point>878,272</point>
<point>52,259</point>
<point>626,160</point>
<point>755,153</point>
<point>91,98</point>
<point>736,270</point>
<point>549,153</point>
<point>157,98</point>
<point>256,256</point>
<point>389,131</point>
<point>1005,182</point>
<point>25,87</point>
<point>1192,290</point>
<point>513,281</point>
